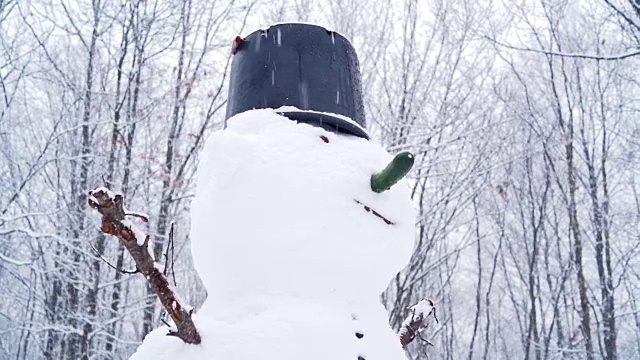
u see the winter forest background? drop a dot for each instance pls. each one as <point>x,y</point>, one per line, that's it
<point>524,117</point>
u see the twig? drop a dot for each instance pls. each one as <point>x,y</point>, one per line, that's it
<point>140,216</point>
<point>169,259</point>
<point>370,210</point>
<point>162,318</point>
<point>110,264</point>
<point>111,207</point>
<point>417,321</point>
<point>630,53</point>
<point>425,340</point>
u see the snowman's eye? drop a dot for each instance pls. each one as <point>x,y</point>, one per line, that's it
<point>324,138</point>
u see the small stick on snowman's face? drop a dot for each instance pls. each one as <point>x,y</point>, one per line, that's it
<point>371,211</point>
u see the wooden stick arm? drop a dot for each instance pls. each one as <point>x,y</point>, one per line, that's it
<point>111,206</point>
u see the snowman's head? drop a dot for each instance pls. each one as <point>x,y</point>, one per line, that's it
<point>287,208</point>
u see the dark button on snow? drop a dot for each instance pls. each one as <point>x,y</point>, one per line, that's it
<point>361,358</point>
<point>359,335</point>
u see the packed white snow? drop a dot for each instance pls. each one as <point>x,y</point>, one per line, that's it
<point>292,262</point>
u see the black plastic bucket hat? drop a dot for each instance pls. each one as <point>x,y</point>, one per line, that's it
<point>302,66</point>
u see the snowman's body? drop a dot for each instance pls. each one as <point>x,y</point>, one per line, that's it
<point>293,246</point>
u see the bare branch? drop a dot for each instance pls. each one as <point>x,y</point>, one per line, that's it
<point>169,259</point>
<point>622,56</point>
<point>111,207</point>
<point>123,271</point>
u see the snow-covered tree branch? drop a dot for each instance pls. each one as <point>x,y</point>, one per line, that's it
<point>420,316</point>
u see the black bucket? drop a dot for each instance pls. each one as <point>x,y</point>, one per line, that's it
<point>304,66</point>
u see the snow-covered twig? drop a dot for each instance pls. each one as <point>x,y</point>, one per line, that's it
<point>111,207</point>
<point>417,321</point>
<point>613,57</point>
<point>122,271</point>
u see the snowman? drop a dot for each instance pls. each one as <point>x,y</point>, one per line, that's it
<point>298,223</point>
